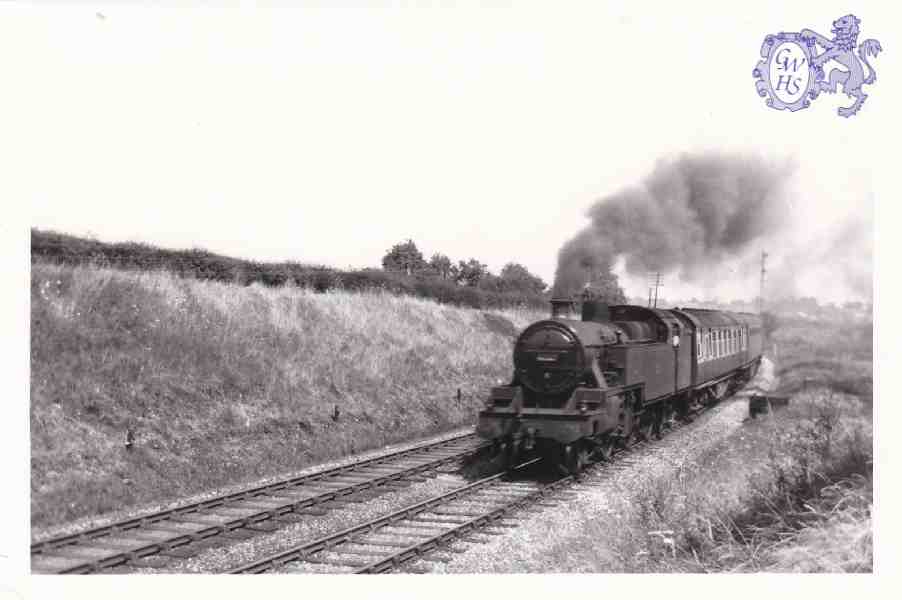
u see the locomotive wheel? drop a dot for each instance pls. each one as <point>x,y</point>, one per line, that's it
<point>564,458</point>
<point>574,458</point>
<point>667,417</point>
<point>583,455</point>
<point>631,438</point>
<point>509,449</point>
<point>605,449</point>
<point>657,423</point>
<point>683,411</point>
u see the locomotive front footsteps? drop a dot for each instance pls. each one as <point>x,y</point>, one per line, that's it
<point>584,386</point>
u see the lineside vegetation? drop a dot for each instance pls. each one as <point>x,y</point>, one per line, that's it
<point>217,383</point>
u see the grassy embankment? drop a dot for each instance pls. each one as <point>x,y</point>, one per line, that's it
<point>222,383</point>
<point>791,492</point>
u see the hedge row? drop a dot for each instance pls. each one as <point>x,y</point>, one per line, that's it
<point>49,246</point>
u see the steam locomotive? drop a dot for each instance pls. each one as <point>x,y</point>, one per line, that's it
<point>594,378</point>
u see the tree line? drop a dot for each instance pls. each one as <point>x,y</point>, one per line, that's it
<point>406,258</point>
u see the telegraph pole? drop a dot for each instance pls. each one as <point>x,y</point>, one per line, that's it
<point>761,291</point>
<point>657,285</point>
<point>651,285</point>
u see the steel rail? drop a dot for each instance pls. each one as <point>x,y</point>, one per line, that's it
<point>299,553</point>
<point>420,548</point>
<point>353,534</point>
<point>203,531</point>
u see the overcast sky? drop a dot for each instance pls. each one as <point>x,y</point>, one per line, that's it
<point>325,135</point>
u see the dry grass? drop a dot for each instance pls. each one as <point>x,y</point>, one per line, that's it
<point>222,383</point>
<point>792,494</point>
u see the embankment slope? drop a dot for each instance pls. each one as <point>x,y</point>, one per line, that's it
<point>222,383</point>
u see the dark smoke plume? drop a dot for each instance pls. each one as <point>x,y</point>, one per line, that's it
<point>689,214</point>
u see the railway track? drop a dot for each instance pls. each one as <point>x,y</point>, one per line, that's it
<point>485,507</point>
<point>383,543</point>
<point>241,514</point>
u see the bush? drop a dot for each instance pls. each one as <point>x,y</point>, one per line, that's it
<point>58,248</point>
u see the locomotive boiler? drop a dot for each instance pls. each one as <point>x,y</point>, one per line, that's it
<point>593,378</point>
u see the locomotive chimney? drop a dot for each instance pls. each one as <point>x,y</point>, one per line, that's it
<point>562,308</point>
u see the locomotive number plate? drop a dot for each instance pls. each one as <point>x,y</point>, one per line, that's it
<point>546,357</point>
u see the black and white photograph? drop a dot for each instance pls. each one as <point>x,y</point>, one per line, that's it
<point>438,289</point>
